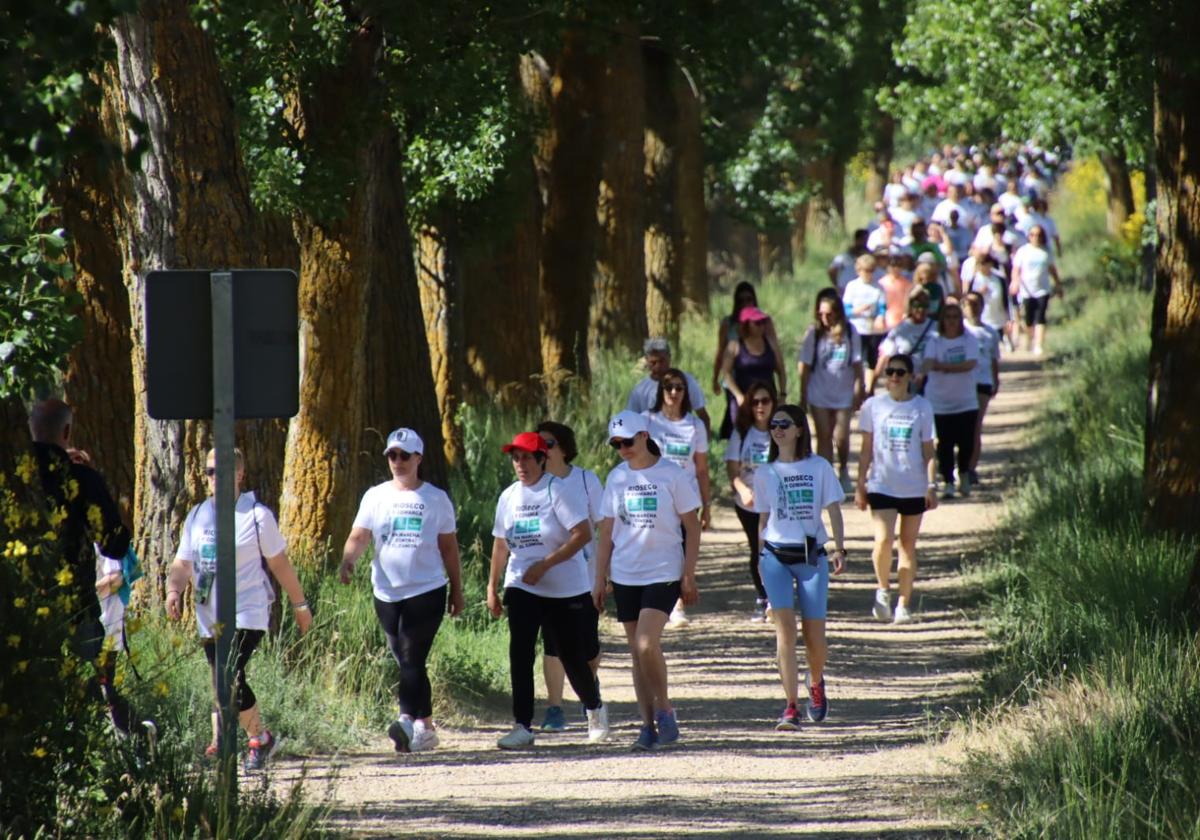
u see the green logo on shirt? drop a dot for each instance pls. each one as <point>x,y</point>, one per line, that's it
<point>642,504</point>
<point>678,449</point>
<point>208,551</point>
<point>800,497</point>
<point>900,432</point>
<point>525,527</point>
<point>406,523</point>
<point>759,457</point>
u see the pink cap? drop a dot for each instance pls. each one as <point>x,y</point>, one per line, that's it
<point>751,313</point>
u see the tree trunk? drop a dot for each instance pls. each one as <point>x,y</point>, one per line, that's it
<point>1172,466</point>
<point>693,215</point>
<point>14,433</point>
<point>827,209</point>
<point>618,318</point>
<point>664,232</point>
<point>439,278</point>
<point>568,158</point>
<point>883,147</point>
<point>775,251</point>
<point>186,206</point>
<point>500,262</point>
<point>1120,190</point>
<point>798,236</point>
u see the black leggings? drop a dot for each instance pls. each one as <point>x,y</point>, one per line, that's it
<point>410,627</point>
<point>244,643</point>
<point>749,520</point>
<point>568,621</point>
<point>955,430</point>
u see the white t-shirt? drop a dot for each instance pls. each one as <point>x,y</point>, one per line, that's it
<point>643,395</point>
<point>1035,264</point>
<point>1010,201</point>
<point>989,351</point>
<point>893,192</point>
<point>646,507</point>
<point>859,295</point>
<point>794,494</point>
<point>112,611</point>
<point>994,290</point>
<point>904,221</point>
<point>910,338</point>
<point>751,453</point>
<point>898,431</point>
<point>534,521</point>
<point>257,536</point>
<point>1011,238</point>
<point>941,214</point>
<point>831,378</point>
<point>679,440</point>
<point>405,525</point>
<point>844,264</point>
<point>1044,222</point>
<point>952,393</point>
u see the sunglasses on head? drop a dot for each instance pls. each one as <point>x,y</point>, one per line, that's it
<point>761,401</point>
<point>621,443</point>
<point>782,424</point>
<point>890,372</point>
<point>398,454</point>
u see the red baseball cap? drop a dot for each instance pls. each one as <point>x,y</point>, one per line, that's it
<point>528,441</point>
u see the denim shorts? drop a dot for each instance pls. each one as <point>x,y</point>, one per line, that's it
<point>796,586</point>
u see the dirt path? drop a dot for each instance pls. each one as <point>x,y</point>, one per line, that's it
<point>865,772</point>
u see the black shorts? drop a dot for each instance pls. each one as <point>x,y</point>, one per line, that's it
<point>631,600</point>
<point>870,350</point>
<point>904,507</point>
<point>985,390</point>
<point>1035,310</point>
<point>589,629</point>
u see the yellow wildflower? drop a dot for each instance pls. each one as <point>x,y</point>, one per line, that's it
<point>57,516</point>
<point>22,665</point>
<point>49,536</point>
<point>95,518</point>
<point>71,489</point>
<point>19,603</point>
<point>43,612</point>
<point>119,679</point>
<point>14,640</point>
<point>26,467</point>
<point>38,752</point>
<point>162,689</point>
<point>3,710</point>
<point>65,576</point>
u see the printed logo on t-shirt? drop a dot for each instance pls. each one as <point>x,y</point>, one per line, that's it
<point>524,527</point>
<point>899,433</point>
<point>759,457</point>
<point>797,497</point>
<point>956,353</point>
<point>639,505</point>
<point>678,450</point>
<point>407,521</point>
<point>838,355</point>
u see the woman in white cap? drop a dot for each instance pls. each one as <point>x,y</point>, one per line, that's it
<point>647,499</point>
<point>540,530</point>
<point>415,561</point>
<point>257,537</point>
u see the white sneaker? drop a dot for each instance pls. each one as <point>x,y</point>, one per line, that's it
<point>902,616</point>
<point>423,738</point>
<point>759,614</point>
<point>679,618</point>
<point>519,739</point>
<point>882,608</point>
<point>597,724</point>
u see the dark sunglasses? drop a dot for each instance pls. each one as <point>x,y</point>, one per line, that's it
<point>761,401</point>
<point>782,424</point>
<point>621,443</point>
<point>890,372</point>
<point>210,471</point>
<point>674,387</point>
<point>400,454</point>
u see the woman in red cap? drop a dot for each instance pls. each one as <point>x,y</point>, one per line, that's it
<point>416,557</point>
<point>541,526</point>
<point>751,358</point>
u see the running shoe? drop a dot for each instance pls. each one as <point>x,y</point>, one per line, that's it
<point>424,738</point>
<point>261,750</point>
<point>789,721</point>
<point>520,738</point>
<point>974,475</point>
<point>844,478</point>
<point>882,608</point>
<point>401,733</point>
<point>555,721</point>
<point>668,727</point>
<point>818,703</point>
<point>647,738</point>
<point>597,724</point>
<point>759,614</point>
<point>902,616</point>
<point>212,751</point>
<point>964,484</point>
<point>679,617</point>
<point>948,490</point>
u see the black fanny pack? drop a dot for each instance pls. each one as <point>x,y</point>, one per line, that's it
<point>809,553</point>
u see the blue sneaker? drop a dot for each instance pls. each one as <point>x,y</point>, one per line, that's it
<point>555,721</point>
<point>668,728</point>
<point>647,738</point>
<point>818,703</point>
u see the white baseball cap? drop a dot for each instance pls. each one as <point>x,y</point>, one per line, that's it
<point>406,440</point>
<point>627,424</point>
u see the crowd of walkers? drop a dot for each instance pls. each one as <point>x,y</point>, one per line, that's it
<point>908,336</point>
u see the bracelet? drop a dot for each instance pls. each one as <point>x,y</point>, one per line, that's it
<point>303,605</point>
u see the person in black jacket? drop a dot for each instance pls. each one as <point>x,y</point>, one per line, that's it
<point>92,521</point>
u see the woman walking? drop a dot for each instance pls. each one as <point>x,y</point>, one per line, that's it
<point>647,501</point>
<point>789,493</point>
<point>987,372</point>
<point>831,379</point>
<point>1034,281</point>
<point>411,524</point>
<point>541,527</point>
<point>683,441</point>
<point>865,305</point>
<point>752,359</point>
<point>728,331</point>
<point>909,337</point>
<point>257,537</point>
<point>950,358</point>
<point>896,478</point>
<point>746,452</point>
<point>561,450</point>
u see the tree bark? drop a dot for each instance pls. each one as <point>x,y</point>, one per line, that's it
<point>883,147</point>
<point>1120,190</point>
<point>440,281</point>
<point>186,206</point>
<point>664,230</point>
<point>693,214</point>
<point>568,162</point>
<point>1172,462</point>
<point>618,318</point>
<point>798,236</point>
<point>827,209</point>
